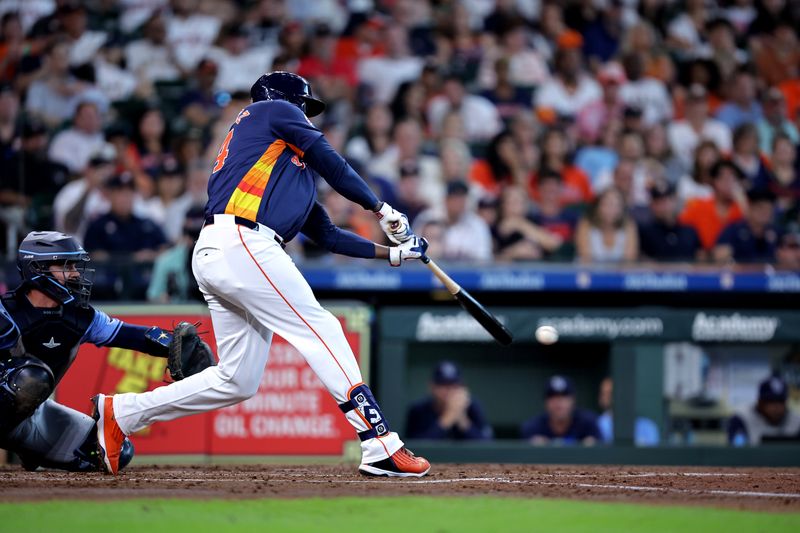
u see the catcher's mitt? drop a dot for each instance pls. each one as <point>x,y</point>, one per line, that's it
<point>188,353</point>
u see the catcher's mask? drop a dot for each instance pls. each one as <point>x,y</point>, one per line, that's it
<point>55,263</point>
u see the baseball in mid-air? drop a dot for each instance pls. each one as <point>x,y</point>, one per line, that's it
<point>546,334</point>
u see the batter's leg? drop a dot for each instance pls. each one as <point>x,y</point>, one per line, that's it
<point>275,291</point>
<point>243,348</point>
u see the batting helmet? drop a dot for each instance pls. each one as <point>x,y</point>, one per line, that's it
<point>287,86</point>
<point>42,249</point>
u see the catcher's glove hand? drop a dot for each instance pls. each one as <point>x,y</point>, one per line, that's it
<point>188,353</point>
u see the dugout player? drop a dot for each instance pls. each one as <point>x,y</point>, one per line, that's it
<point>262,193</point>
<point>43,322</point>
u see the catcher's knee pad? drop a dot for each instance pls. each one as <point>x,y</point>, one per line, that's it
<point>364,404</point>
<point>25,382</point>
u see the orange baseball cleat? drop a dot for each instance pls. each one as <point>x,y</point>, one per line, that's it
<point>110,437</point>
<point>402,463</point>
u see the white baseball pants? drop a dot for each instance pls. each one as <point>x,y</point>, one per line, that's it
<point>253,289</point>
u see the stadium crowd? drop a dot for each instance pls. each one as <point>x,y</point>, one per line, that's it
<point>601,131</point>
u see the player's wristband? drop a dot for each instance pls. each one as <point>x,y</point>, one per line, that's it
<point>395,256</point>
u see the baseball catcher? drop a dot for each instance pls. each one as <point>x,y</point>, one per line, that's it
<point>43,322</point>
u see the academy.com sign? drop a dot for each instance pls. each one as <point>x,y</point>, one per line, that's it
<point>735,327</point>
<point>605,326</point>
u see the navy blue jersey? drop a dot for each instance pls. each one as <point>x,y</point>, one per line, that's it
<point>260,174</point>
<point>584,424</point>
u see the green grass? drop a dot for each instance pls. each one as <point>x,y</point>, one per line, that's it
<point>359,515</point>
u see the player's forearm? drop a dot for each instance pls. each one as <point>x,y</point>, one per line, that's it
<point>322,158</point>
<point>152,341</point>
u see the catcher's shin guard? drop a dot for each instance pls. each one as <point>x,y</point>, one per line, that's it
<point>366,407</point>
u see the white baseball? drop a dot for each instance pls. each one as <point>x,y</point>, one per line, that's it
<point>546,334</point>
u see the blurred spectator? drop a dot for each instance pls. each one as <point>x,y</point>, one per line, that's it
<point>480,118</point>
<point>172,280</point>
<point>606,233</point>
<point>685,32</point>
<point>630,174</point>
<point>406,148</point>
<point>9,122</point>
<point>777,55</point>
<point>697,184</point>
<point>557,157</point>
<point>28,178</point>
<point>14,47</point>
<point>151,58</point>
<point>768,419</point>
<point>642,39</point>
<point>516,236</point>
<point>190,33</point>
<point>237,63</point>
<point>754,239</point>
<point>721,47</point>
<point>747,157</point>
<point>562,422</point>
<point>512,63</point>
<point>149,149</point>
<point>644,92</point>
<point>84,43</point>
<point>264,22</point>
<point>169,205</point>
<point>332,77</point>
<point>409,196</point>
<point>466,236</point>
<point>385,73</point>
<point>55,93</point>
<point>508,98</point>
<point>82,200</point>
<point>503,165</point>
<point>74,146</point>
<point>684,135</point>
<point>364,41</point>
<point>659,159</point>
<point>601,158</point>
<point>595,117</point>
<point>709,216</point>
<point>450,412</point>
<point>200,105</point>
<point>645,431</point>
<point>663,238</point>
<point>603,35</point>
<point>788,252</point>
<point>570,89</point>
<point>784,175</point>
<point>550,214</point>
<point>742,106</point>
<point>455,159</point>
<point>120,231</point>
<point>774,121</point>
<point>409,102</point>
<point>374,138</point>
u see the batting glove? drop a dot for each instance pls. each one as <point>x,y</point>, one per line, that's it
<point>394,224</point>
<point>413,248</point>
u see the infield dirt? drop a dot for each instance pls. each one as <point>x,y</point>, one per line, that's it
<point>765,489</point>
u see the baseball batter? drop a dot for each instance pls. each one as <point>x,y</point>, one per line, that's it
<point>261,195</point>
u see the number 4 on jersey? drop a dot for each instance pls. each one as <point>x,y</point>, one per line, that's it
<point>223,150</point>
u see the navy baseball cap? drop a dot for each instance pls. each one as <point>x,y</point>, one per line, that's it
<point>446,373</point>
<point>772,390</point>
<point>559,386</point>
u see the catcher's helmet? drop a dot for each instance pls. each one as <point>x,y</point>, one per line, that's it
<point>287,86</point>
<point>42,249</point>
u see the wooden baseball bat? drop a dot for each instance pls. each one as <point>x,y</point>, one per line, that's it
<point>471,305</point>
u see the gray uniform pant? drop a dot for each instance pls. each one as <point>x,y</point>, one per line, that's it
<point>53,432</point>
